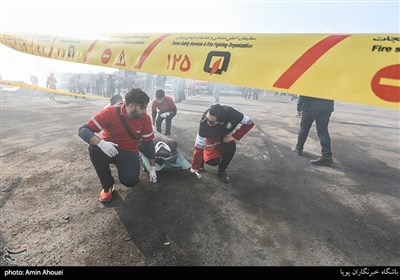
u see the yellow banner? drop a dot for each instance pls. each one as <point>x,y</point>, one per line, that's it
<point>357,68</point>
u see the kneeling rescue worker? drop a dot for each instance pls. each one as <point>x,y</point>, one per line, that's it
<point>216,139</point>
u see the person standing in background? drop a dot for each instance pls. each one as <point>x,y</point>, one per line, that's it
<point>319,110</point>
<point>51,84</point>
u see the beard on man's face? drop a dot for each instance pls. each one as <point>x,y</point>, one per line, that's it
<point>135,115</point>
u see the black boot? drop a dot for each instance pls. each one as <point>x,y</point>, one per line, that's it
<point>322,161</point>
<point>297,151</point>
<point>223,176</point>
<point>201,168</point>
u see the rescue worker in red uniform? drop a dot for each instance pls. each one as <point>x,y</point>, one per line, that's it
<point>119,144</point>
<point>216,140</point>
<point>166,110</point>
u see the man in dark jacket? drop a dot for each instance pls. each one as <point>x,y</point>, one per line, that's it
<point>220,128</point>
<point>320,110</point>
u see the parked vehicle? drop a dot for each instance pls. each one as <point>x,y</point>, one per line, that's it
<point>198,87</point>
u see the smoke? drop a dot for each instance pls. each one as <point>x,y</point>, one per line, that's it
<point>18,66</point>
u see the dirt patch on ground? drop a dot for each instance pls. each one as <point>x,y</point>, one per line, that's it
<point>278,210</point>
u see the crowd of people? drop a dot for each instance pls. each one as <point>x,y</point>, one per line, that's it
<point>102,85</point>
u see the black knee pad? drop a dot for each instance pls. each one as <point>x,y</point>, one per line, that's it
<point>130,183</point>
<point>214,161</point>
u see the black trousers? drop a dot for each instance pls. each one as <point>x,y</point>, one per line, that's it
<point>168,122</point>
<point>127,163</point>
<point>322,120</point>
<point>228,151</point>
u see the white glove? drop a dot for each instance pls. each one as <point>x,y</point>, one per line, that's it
<point>108,148</point>
<point>152,174</point>
<point>195,171</point>
<point>164,115</point>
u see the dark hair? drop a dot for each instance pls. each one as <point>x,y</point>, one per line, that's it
<point>216,110</point>
<point>136,96</point>
<point>115,99</point>
<point>160,93</point>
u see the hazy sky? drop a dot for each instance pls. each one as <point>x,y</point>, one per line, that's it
<point>84,18</point>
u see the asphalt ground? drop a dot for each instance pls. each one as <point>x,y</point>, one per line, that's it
<point>278,210</point>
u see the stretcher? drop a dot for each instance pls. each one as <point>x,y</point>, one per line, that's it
<point>175,162</point>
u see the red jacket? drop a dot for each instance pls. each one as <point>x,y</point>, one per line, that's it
<point>108,121</point>
<point>166,106</point>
